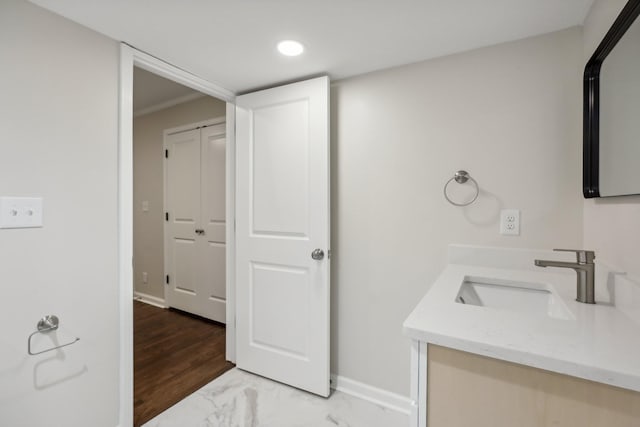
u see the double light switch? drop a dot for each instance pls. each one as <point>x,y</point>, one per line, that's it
<point>20,212</point>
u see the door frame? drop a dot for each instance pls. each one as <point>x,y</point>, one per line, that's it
<point>165,133</point>
<point>130,57</point>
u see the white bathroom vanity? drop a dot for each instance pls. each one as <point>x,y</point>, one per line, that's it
<point>500,342</point>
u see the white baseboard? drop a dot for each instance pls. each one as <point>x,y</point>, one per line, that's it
<point>149,299</point>
<point>378,396</point>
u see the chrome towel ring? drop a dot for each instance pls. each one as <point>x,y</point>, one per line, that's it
<point>461,177</point>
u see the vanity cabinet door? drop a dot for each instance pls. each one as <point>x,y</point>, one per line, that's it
<point>470,390</point>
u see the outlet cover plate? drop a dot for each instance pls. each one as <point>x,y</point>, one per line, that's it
<point>510,222</point>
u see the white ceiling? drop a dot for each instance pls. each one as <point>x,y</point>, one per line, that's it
<point>232,42</point>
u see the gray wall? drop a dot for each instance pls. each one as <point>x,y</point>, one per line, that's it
<point>510,115</point>
<point>59,121</point>
<point>148,227</point>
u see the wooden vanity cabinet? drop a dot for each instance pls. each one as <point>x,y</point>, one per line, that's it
<point>459,389</point>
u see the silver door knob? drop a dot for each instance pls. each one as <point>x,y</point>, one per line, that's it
<point>317,254</point>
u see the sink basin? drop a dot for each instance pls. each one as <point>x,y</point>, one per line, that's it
<point>529,298</point>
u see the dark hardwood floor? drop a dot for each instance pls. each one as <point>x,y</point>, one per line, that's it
<point>175,353</point>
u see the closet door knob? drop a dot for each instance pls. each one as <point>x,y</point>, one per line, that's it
<point>317,254</point>
<point>200,231</point>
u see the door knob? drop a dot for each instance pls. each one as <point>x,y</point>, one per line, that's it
<point>200,231</point>
<point>317,254</point>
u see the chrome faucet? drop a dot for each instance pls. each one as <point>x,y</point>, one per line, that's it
<point>584,268</point>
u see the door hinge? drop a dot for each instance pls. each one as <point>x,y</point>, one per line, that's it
<point>166,154</point>
<point>167,279</point>
<point>166,216</point>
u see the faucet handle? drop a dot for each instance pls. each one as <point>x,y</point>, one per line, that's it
<point>583,256</point>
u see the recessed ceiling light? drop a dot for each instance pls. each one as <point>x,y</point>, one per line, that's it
<point>290,48</point>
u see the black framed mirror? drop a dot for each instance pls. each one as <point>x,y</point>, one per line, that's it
<point>611,125</point>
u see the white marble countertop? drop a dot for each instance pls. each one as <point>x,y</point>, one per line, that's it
<point>600,343</point>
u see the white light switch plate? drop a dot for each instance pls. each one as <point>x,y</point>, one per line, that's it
<point>20,212</point>
<point>510,222</point>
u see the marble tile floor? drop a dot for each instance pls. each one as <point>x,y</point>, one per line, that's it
<point>241,399</point>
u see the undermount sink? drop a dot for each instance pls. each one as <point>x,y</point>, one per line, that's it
<point>528,298</point>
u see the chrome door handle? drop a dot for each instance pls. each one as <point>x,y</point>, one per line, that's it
<point>317,254</point>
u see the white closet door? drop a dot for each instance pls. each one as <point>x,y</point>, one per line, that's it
<point>195,232</point>
<point>182,180</point>
<point>212,241</point>
<point>282,216</point>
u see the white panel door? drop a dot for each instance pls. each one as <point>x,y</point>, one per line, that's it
<point>213,222</point>
<point>195,229</point>
<point>282,216</point>
<point>182,177</point>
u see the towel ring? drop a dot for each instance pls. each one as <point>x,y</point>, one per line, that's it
<point>461,177</point>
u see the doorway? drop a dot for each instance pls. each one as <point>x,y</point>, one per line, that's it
<point>132,204</point>
<point>179,192</point>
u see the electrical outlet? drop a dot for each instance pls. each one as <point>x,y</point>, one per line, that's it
<point>145,277</point>
<point>510,222</point>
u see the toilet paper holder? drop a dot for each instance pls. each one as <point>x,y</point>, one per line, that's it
<point>47,324</point>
